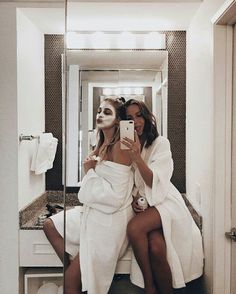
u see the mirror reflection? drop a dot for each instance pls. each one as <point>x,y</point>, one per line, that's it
<point>97,81</point>
<point>25,29</point>
<point>120,77</point>
<point>95,88</point>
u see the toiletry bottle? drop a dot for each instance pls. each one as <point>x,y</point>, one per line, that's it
<point>142,202</point>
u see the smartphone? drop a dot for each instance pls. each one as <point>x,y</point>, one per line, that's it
<point>126,130</point>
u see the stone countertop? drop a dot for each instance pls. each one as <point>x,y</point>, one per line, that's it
<point>197,218</point>
<point>28,216</point>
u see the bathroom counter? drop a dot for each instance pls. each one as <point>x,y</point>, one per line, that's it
<point>28,216</point>
<point>196,216</point>
<point>35,249</point>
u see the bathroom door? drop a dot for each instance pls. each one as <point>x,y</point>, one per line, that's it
<point>233,252</point>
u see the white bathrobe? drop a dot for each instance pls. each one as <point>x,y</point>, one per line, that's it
<point>106,194</point>
<point>182,236</point>
<point>98,229</point>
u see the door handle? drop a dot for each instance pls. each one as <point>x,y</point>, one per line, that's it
<point>231,235</point>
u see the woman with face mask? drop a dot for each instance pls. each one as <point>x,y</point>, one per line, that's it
<point>166,241</point>
<point>96,233</point>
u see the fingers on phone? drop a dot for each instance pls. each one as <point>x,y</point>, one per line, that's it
<point>136,136</point>
<point>125,143</point>
<point>129,140</point>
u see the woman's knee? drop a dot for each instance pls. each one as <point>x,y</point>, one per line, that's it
<point>49,229</point>
<point>157,247</point>
<point>47,225</point>
<point>133,229</point>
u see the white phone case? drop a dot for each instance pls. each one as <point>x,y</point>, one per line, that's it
<point>126,130</point>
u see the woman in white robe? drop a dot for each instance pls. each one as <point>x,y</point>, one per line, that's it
<point>96,232</point>
<point>166,241</point>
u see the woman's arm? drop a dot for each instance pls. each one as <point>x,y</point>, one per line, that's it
<point>145,171</point>
<point>90,162</point>
<point>135,155</point>
<point>157,172</point>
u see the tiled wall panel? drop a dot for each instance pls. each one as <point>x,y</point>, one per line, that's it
<point>176,47</point>
<point>54,46</point>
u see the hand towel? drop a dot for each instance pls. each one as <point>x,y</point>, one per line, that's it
<point>93,138</point>
<point>45,153</point>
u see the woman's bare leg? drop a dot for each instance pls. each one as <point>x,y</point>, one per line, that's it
<point>138,228</point>
<point>160,267</point>
<point>56,240</point>
<point>73,277</point>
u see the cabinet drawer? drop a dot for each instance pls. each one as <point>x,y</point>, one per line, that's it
<point>124,263</point>
<point>35,250</point>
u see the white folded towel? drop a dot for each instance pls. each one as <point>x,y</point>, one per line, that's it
<point>45,153</point>
<point>93,138</point>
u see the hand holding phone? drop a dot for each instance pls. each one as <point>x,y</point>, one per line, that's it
<point>126,130</point>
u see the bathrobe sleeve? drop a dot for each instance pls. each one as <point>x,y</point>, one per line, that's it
<point>161,163</point>
<point>97,192</point>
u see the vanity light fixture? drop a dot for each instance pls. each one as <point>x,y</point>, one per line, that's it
<point>107,91</point>
<point>116,40</point>
<point>117,91</point>
<point>127,91</point>
<point>122,91</point>
<point>126,40</point>
<point>138,91</point>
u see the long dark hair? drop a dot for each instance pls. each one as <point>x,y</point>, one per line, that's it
<point>150,132</point>
<point>118,104</point>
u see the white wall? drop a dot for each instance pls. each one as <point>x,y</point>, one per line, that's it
<point>9,153</point>
<point>31,104</point>
<point>12,122</point>
<point>199,122</point>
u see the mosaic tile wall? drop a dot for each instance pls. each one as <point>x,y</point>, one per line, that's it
<point>176,46</point>
<point>54,46</point>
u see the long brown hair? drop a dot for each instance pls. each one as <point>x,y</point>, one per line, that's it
<point>150,132</point>
<point>118,104</point>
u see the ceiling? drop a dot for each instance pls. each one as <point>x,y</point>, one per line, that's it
<point>117,59</point>
<point>138,1</point>
<point>112,1</point>
<point>114,16</point>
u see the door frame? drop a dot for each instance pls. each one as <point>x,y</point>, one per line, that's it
<point>222,93</point>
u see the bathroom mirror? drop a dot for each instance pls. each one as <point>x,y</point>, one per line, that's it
<point>95,74</point>
<point>89,23</point>
<point>106,62</point>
